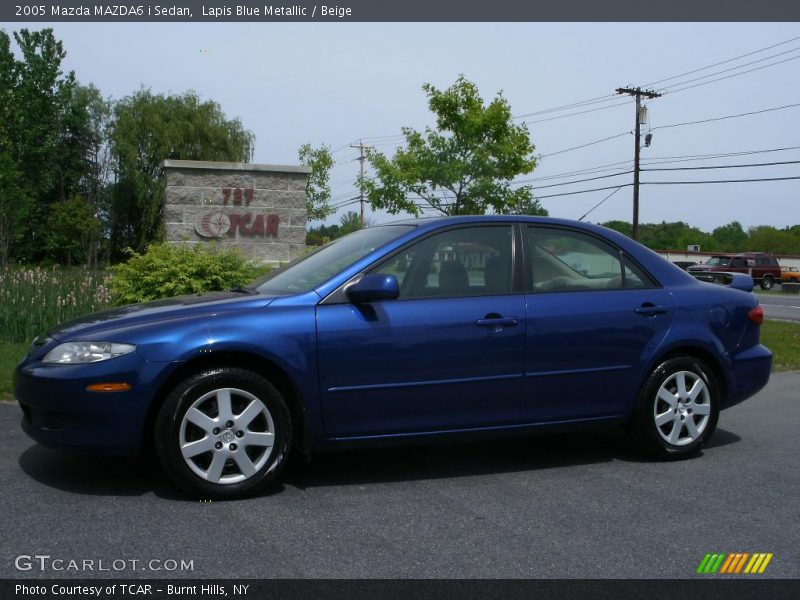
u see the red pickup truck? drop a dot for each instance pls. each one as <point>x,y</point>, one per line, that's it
<point>764,268</point>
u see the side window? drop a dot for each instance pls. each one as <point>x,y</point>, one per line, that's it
<point>459,262</point>
<point>562,260</point>
<point>738,263</point>
<point>762,261</point>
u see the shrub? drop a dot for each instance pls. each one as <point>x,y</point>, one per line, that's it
<point>166,270</point>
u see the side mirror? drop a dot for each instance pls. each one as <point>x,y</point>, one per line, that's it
<point>373,287</point>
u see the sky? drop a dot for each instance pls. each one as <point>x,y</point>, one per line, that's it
<point>336,83</point>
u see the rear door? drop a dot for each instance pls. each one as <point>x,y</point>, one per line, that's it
<point>594,319</point>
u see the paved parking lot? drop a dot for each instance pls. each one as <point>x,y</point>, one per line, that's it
<point>578,505</point>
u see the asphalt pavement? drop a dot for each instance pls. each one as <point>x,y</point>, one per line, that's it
<point>786,307</point>
<point>581,505</point>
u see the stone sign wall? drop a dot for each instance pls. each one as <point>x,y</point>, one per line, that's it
<point>259,209</point>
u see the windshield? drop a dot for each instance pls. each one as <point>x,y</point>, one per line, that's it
<point>312,270</point>
<point>719,261</point>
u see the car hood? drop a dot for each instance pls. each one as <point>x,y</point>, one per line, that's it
<point>132,315</point>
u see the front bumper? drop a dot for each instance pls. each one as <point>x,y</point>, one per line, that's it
<point>749,373</point>
<point>59,411</point>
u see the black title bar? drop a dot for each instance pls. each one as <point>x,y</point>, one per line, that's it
<point>400,10</point>
<point>744,588</point>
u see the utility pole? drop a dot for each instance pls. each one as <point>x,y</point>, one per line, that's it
<point>361,158</point>
<point>637,93</point>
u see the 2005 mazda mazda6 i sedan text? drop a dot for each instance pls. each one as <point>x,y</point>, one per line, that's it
<point>399,332</point>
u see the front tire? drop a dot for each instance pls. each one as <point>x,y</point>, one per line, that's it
<point>767,282</point>
<point>676,410</point>
<point>223,433</point>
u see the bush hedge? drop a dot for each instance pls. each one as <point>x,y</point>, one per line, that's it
<point>167,270</point>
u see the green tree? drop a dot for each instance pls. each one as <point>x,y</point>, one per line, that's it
<point>765,238</point>
<point>623,227</point>
<point>530,206</point>
<point>34,96</point>
<point>85,167</point>
<point>14,204</point>
<point>147,128</point>
<point>73,231</point>
<point>731,237</point>
<point>349,222</point>
<point>463,166</point>
<point>318,189</point>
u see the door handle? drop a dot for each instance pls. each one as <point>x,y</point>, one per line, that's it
<point>497,321</point>
<point>650,310</point>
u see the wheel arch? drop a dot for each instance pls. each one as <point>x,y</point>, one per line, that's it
<point>700,353</point>
<point>242,360</point>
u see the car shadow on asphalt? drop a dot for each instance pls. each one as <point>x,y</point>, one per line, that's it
<point>114,476</point>
<point>439,460</point>
<point>96,474</point>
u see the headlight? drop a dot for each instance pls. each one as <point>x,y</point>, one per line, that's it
<point>76,353</point>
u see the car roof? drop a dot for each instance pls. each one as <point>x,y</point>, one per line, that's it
<point>444,221</point>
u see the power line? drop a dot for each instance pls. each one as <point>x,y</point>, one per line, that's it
<point>347,202</point>
<point>583,112</point>
<point>719,181</point>
<point>606,98</point>
<point>588,212</point>
<point>541,187</point>
<point>340,148</point>
<point>741,166</point>
<point>600,189</point>
<point>693,157</point>
<point>598,169</point>
<point>749,165</point>
<point>703,182</point>
<point>735,68</point>
<point>729,60</point>
<point>585,145</point>
<point>736,116</point>
<point>688,87</point>
<point>579,104</point>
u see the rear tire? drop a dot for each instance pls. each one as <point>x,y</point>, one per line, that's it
<point>223,433</point>
<point>767,282</point>
<point>676,410</point>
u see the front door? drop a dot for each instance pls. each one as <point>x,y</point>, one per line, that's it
<point>446,355</point>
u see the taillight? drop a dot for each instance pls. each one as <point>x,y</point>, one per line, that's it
<point>756,315</point>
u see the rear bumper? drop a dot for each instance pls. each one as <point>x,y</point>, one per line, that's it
<point>749,373</point>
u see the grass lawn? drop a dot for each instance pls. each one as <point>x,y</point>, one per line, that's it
<point>782,337</point>
<point>10,355</point>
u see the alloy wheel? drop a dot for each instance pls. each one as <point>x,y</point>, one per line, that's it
<point>227,436</point>
<point>682,408</point>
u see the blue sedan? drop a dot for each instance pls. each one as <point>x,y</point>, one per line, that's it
<point>403,332</point>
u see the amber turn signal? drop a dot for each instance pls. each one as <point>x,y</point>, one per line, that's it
<point>108,387</point>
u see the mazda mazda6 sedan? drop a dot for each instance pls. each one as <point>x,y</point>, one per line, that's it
<point>403,332</point>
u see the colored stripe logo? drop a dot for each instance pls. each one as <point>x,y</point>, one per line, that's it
<point>734,563</point>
